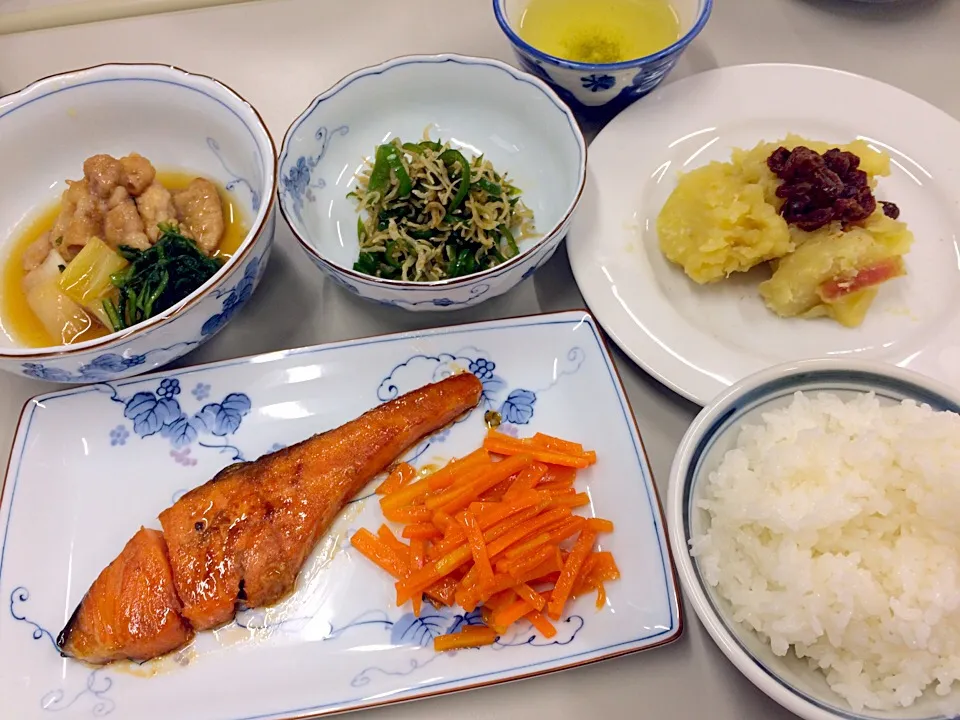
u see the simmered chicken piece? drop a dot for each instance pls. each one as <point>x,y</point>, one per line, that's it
<point>137,173</point>
<point>200,210</point>
<point>123,224</point>
<point>122,248</point>
<point>156,207</point>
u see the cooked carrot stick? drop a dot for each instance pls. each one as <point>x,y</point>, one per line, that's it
<point>469,597</point>
<point>544,626</point>
<point>498,601</point>
<point>508,615</point>
<point>457,641</point>
<point>401,474</point>
<point>570,501</point>
<point>599,525</point>
<point>501,444</point>
<point>527,593</point>
<point>424,531</point>
<point>492,475</point>
<point>375,550</point>
<point>527,480</point>
<point>558,473</point>
<point>553,535</point>
<point>526,529</point>
<point>408,514</point>
<point>487,519</point>
<point>545,571</point>
<point>601,596</point>
<point>598,568</point>
<point>418,554</point>
<point>479,550</point>
<point>503,510</point>
<point>449,473</point>
<point>390,540</point>
<point>555,443</point>
<point>499,447</point>
<point>519,567</point>
<point>568,576</point>
<point>496,493</point>
<point>491,533</point>
<point>438,499</point>
<point>443,591</point>
<point>422,579</point>
<point>555,486</point>
<point>414,491</point>
<point>443,521</point>
<point>486,614</point>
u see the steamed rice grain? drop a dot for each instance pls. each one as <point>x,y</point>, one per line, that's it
<point>834,533</point>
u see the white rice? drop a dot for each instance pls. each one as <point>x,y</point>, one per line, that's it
<point>834,532</point>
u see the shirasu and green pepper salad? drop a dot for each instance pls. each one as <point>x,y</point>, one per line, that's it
<point>428,213</point>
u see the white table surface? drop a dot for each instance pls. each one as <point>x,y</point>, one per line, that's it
<point>280,53</point>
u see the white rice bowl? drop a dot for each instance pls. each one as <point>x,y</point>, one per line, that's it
<point>833,533</point>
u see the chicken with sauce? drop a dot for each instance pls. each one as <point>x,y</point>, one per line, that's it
<point>118,226</point>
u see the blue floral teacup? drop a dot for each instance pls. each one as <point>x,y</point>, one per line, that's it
<point>602,89</point>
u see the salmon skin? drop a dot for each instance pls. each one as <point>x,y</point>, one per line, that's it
<point>243,536</point>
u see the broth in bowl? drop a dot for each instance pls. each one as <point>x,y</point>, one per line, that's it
<point>122,244</point>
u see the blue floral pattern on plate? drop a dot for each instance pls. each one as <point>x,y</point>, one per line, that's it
<point>411,630</point>
<point>97,685</point>
<point>159,412</point>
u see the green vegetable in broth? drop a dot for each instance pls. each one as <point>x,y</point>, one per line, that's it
<point>157,278</point>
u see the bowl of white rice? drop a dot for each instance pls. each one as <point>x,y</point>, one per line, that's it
<point>814,512</point>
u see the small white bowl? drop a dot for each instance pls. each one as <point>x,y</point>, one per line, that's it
<point>786,680</point>
<point>476,104</point>
<point>180,121</point>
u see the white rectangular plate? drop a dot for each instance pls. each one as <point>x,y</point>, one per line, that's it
<point>90,465</point>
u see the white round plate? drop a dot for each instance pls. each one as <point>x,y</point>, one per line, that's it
<point>699,340</point>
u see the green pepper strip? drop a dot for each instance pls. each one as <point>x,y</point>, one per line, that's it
<point>395,162</point>
<point>361,230</point>
<point>488,187</point>
<point>456,269</point>
<point>392,252</point>
<point>450,158</point>
<point>421,234</point>
<point>380,175</point>
<point>511,243</point>
<point>469,264</point>
<point>366,263</point>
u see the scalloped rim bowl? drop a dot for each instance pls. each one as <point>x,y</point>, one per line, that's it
<point>93,110</point>
<point>478,104</point>
<point>788,681</point>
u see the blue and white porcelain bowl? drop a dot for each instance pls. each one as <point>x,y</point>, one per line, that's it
<point>478,105</point>
<point>604,89</point>
<point>178,120</point>
<point>787,680</point>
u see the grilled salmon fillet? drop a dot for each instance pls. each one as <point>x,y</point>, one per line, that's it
<point>243,536</point>
<point>131,610</point>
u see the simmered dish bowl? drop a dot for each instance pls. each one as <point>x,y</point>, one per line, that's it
<point>139,232</point>
<point>812,514</point>
<point>372,180</point>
